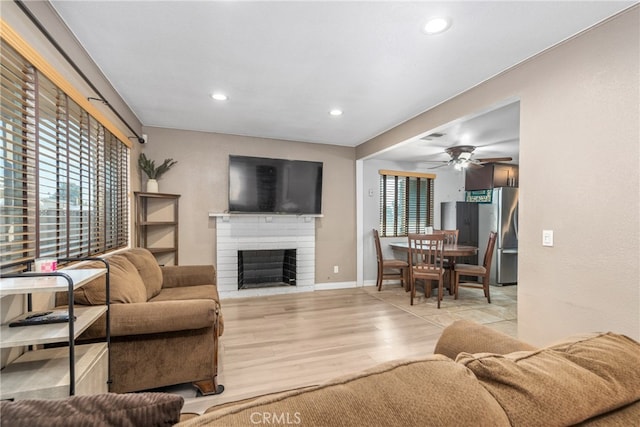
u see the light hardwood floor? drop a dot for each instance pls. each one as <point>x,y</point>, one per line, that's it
<point>282,342</point>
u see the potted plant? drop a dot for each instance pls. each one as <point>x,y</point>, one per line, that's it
<point>148,166</point>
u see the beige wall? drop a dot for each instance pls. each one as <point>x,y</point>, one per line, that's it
<point>579,176</point>
<point>201,177</point>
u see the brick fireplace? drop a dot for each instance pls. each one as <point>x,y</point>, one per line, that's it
<point>249,233</point>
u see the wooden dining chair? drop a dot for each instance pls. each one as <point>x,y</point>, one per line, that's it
<point>399,268</point>
<point>480,271</point>
<point>450,238</point>
<point>426,262</point>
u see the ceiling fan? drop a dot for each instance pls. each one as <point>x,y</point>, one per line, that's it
<point>461,158</point>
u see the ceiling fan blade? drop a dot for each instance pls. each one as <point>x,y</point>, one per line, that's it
<point>504,141</point>
<point>494,159</point>
<point>439,166</point>
<point>442,162</point>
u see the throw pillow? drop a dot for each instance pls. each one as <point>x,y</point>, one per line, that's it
<point>125,285</point>
<point>110,409</point>
<point>148,269</point>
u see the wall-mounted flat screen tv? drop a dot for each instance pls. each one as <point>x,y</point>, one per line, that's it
<point>278,186</point>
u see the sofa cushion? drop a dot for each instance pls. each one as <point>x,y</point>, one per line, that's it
<point>128,320</point>
<point>125,285</point>
<point>187,293</point>
<point>162,317</point>
<point>625,416</point>
<point>429,391</point>
<point>110,409</point>
<point>148,269</point>
<point>572,381</point>
<point>190,293</point>
<point>175,276</point>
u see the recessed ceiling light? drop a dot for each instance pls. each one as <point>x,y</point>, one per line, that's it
<point>219,96</point>
<point>436,25</point>
<point>335,112</point>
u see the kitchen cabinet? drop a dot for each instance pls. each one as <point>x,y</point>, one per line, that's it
<point>56,372</point>
<point>157,219</point>
<point>491,175</point>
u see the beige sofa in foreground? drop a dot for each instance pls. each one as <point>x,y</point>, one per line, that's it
<point>165,322</point>
<point>590,380</point>
<point>478,377</point>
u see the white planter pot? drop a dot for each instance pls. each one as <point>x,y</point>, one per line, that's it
<point>152,186</point>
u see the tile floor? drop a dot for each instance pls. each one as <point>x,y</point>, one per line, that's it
<point>471,304</point>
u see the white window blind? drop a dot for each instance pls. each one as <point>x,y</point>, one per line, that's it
<point>406,203</point>
<point>64,175</point>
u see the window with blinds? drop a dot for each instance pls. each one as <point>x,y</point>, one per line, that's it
<point>63,185</point>
<point>406,203</point>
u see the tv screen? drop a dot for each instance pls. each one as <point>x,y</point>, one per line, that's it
<point>261,185</point>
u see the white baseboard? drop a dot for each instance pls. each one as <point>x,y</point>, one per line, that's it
<point>334,285</point>
<point>259,292</point>
<point>246,293</point>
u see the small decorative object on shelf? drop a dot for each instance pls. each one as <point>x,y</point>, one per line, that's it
<point>153,173</point>
<point>152,186</point>
<point>45,265</point>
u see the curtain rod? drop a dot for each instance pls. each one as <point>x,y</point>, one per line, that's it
<point>77,69</point>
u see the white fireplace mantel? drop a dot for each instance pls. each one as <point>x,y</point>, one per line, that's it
<point>261,215</point>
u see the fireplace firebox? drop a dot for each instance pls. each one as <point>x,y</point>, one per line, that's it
<point>266,268</point>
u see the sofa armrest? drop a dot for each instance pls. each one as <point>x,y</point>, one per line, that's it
<point>188,275</point>
<point>156,318</point>
<point>470,337</point>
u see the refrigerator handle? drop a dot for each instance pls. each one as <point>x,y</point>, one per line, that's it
<point>515,222</point>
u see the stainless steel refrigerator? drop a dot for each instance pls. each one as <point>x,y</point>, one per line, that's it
<point>501,216</point>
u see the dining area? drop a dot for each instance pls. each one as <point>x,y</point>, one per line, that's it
<point>434,261</point>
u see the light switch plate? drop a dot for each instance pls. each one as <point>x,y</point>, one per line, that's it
<point>547,237</point>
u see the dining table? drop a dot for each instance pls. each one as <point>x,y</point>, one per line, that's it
<point>450,250</point>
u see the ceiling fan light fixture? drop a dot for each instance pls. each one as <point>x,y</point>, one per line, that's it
<point>460,164</point>
<point>436,25</point>
<point>335,112</point>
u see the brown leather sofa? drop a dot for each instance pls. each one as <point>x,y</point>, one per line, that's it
<point>478,377</point>
<point>165,322</point>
